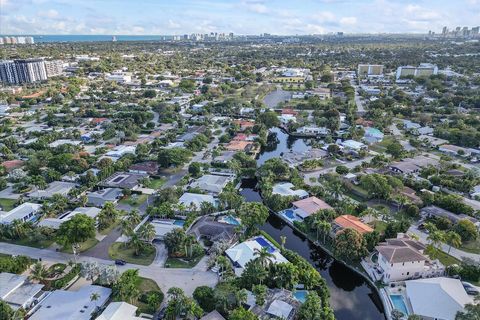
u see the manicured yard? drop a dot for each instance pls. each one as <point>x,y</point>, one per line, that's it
<point>146,286</point>
<point>180,263</point>
<point>380,226</point>
<point>447,259</point>
<point>134,200</point>
<point>84,246</point>
<point>471,246</point>
<point>156,183</point>
<point>120,251</point>
<point>7,204</point>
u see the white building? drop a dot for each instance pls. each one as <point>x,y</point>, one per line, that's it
<point>424,69</point>
<point>313,130</point>
<point>24,212</point>
<point>195,200</point>
<point>18,291</point>
<point>119,311</point>
<point>119,77</point>
<point>437,298</point>
<point>369,70</point>
<point>55,223</point>
<point>402,258</point>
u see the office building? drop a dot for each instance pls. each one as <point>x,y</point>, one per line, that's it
<point>424,69</point>
<point>369,70</point>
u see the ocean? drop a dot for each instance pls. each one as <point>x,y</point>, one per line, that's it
<point>92,38</point>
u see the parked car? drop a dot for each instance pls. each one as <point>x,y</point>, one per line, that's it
<point>120,262</point>
<point>470,288</point>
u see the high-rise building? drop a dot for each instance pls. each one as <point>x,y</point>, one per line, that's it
<point>424,69</point>
<point>369,70</point>
<point>27,70</point>
<point>54,68</point>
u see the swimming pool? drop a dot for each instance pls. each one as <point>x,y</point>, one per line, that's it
<point>230,220</point>
<point>179,223</point>
<point>261,241</point>
<point>301,295</point>
<point>399,303</point>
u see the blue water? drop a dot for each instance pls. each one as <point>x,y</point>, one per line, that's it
<point>289,213</point>
<point>95,38</point>
<point>231,220</point>
<point>179,223</point>
<point>399,304</point>
<point>261,241</point>
<point>301,295</point>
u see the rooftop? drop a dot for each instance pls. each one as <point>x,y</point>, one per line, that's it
<point>348,221</point>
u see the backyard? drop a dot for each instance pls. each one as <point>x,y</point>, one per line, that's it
<point>134,200</point>
<point>7,204</point>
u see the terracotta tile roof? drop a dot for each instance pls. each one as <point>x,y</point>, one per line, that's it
<point>349,221</point>
<point>12,164</point>
<point>237,145</point>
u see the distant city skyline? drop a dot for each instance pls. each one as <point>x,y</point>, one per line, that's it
<point>150,17</point>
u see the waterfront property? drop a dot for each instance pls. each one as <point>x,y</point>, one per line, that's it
<point>403,258</point>
<point>212,183</point>
<point>207,228</point>
<point>303,208</point>
<point>194,200</point>
<point>288,189</point>
<point>245,252</point>
<point>348,221</point>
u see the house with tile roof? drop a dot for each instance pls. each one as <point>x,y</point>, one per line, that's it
<point>348,221</point>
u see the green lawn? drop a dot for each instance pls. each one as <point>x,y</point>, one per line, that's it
<point>146,285</point>
<point>471,246</point>
<point>7,204</point>
<point>134,200</point>
<point>84,246</point>
<point>380,226</point>
<point>120,251</point>
<point>156,183</point>
<point>179,263</point>
<point>447,259</point>
<point>107,231</point>
<point>31,243</point>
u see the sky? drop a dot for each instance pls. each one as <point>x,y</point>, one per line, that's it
<point>282,17</point>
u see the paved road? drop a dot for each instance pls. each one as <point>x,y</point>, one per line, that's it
<point>186,279</point>
<point>459,254</point>
<point>101,249</point>
<point>315,174</point>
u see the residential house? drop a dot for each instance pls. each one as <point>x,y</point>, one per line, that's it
<point>212,183</point>
<point>144,168</point>
<point>120,311</point>
<point>214,315</point>
<point>75,305</point>
<point>453,150</point>
<point>245,146</point>
<point>100,197</point>
<point>25,212</point>
<point>18,292</point>
<point>287,189</point>
<point>207,228</point>
<point>123,180</point>
<point>432,141</point>
<point>303,208</point>
<point>403,258</point>
<point>195,200</point>
<point>55,223</point>
<point>373,135</point>
<point>164,226</point>
<point>353,145</point>
<point>347,221</point>
<point>413,165</point>
<point>244,252</point>
<point>436,212</point>
<point>244,124</point>
<point>313,130</point>
<point>57,187</point>
<point>120,151</point>
<point>437,298</point>
<point>12,165</point>
<point>279,304</point>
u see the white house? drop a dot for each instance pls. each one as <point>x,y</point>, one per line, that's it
<point>119,311</point>
<point>437,298</point>
<point>313,130</point>
<point>18,291</point>
<point>402,258</point>
<point>195,199</point>
<point>24,212</point>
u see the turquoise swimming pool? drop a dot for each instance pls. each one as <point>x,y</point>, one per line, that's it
<point>399,303</point>
<point>179,223</point>
<point>230,220</point>
<point>301,295</point>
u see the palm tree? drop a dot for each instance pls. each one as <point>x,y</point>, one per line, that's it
<point>335,189</point>
<point>147,232</point>
<point>401,200</point>
<point>436,237</point>
<point>263,256</point>
<point>94,297</point>
<point>135,243</point>
<point>134,217</point>
<point>18,228</point>
<point>39,272</point>
<point>189,241</point>
<point>283,239</point>
<point>241,296</point>
<point>453,239</point>
<point>126,226</point>
<point>325,228</point>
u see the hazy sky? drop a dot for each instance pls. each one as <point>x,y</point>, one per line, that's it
<point>239,16</point>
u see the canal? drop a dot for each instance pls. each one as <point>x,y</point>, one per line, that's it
<point>351,295</point>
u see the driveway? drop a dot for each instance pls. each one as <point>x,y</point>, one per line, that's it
<point>101,249</point>
<point>186,279</point>
<point>161,255</point>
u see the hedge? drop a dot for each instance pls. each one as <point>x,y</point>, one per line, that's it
<point>62,282</point>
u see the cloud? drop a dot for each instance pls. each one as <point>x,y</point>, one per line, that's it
<point>48,14</point>
<point>348,21</point>
<point>255,6</point>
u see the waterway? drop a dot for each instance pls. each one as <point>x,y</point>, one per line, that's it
<point>351,296</point>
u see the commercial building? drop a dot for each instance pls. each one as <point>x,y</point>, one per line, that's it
<point>423,70</point>
<point>369,70</point>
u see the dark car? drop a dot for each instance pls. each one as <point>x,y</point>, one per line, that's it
<point>119,262</point>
